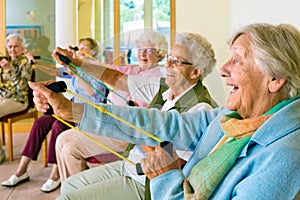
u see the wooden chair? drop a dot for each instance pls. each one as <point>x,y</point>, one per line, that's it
<point>28,113</point>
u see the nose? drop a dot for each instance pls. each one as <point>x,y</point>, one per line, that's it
<point>142,52</point>
<point>169,63</point>
<point>224,70</point>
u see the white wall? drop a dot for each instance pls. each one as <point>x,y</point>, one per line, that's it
<point>44,10</point>
<point>216,19</point>
<point>269,11</point>
<point>210,18</point>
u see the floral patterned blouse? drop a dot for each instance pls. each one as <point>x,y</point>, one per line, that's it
<point>14,83</point>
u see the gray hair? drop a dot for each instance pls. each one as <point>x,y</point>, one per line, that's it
<point>16,37</point>
<point>276,50</point>
<point>155,38</point>
<point>203,55</point>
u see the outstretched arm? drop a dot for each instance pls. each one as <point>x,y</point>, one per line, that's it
<point>113,78</point>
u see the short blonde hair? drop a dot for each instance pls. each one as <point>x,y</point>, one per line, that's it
<point>93,44</point>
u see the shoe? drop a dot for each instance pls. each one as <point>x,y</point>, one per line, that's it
<point>15,180</point>
<point>2,157</point>
<point>50,185</point>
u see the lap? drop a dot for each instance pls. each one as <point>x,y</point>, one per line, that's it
<point>76,142</point>
<point>103,182</point>
<point>8,106</point>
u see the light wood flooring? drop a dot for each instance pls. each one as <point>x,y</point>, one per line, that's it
<point>38,174</point>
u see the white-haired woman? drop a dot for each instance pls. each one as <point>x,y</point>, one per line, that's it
<point>15,72</point>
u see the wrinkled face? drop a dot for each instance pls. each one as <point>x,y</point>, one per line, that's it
<point>249,85</point>
<point>14,49</point>
<point>85,47</point>
<point>179,76</point>
<point>147,55</point>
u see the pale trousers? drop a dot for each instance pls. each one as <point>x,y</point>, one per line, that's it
<point>8,106</point>
<point>104,182</point>
<point>72,150</point>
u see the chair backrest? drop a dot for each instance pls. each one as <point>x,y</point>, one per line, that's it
<point>30,92</point>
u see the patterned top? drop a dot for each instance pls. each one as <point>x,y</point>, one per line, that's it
<point>14,83</point>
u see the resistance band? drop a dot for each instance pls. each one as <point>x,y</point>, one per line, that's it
<point>61,87</point>
<point>48,68</point>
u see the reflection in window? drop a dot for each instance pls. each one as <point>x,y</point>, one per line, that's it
<point>135,15</point>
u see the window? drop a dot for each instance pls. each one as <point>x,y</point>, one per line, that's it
<point>119,22</point>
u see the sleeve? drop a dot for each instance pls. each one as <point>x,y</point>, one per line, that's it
<point>99,87</point>
<point>63,73</point>
<point>168,185</point>
<point>143,89</point>
<point>184,130</point>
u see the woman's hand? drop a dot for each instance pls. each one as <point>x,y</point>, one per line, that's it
<point>160,161</point>
<point>59,51</point>
<point>69,55</point>
<point>5,65</point>
<point>62,107</point>
<point>29,55</point>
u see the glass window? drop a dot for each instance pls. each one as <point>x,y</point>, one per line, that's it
<point>135,16</point>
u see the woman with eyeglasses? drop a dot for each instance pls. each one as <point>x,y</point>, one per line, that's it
<point>191,59</point>
<point>71,150</point>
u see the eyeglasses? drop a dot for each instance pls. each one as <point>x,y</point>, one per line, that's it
<point>176,61</point>
<point>147,50</point>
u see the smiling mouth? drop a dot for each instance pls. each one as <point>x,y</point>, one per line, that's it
<point>171,74</point>
<point>234,89</point>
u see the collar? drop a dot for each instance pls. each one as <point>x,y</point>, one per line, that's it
<point>282,123</point>
<point>169,102</point>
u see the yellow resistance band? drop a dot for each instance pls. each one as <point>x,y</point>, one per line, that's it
<point>94,140</point>
<point>103,110</point>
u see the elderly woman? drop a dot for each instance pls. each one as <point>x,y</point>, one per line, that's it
<point>181,90</point>
<point>15,72</point>
<point>250,149</point>
<point>73,150</point>
<point>46,123</point>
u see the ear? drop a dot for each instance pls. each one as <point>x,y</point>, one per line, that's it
<point>276,84</point>
<point>92,52</point>
<point>197,71</point>
<point>159,56</point>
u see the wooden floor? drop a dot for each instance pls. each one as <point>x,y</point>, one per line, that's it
<point>38,174</point>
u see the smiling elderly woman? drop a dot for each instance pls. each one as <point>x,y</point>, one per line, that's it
<point>250,149</point>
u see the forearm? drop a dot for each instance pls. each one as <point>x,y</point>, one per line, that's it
<point>110,77</point>
<point>49,69</point>
<point>87,88</point>
<point>75,115</point>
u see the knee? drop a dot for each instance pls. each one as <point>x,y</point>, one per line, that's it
<point>66,149</point>
<point>62,197</point>
<point>66,187</point>
<point>58,127</point>
<point>59,144</point>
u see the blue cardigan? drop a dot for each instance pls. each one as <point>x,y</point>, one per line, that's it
<point>267,168</point>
